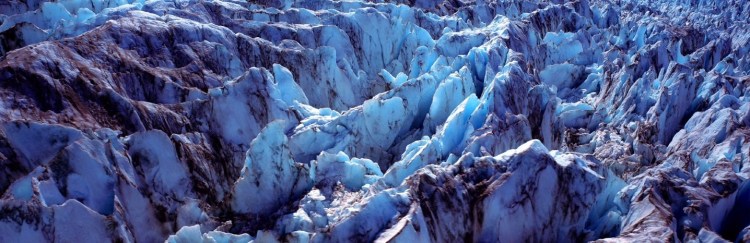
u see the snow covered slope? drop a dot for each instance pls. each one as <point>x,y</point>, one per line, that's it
<point>395,121</point>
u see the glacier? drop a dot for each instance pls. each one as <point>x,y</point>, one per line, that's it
<point>374,121</point>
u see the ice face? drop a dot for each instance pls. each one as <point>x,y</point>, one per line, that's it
<point>270,176</point>
<point>329,121</point>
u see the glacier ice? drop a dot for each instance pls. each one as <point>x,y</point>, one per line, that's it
<point>340,121</point>
<point>270,176</point>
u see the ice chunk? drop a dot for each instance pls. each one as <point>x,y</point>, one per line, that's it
<point>160,165</point>
<point>190,234</point>
<point>382,117</point>
<point>270,176</point>
<point>187,234</point>
<point>38,143</point>
<point>285,88</point>
<point>353,173</point>
<point>427,150</point>
<point>561,46</point>
<point>563,76</point>
<point>72,216</point>
<point>449,94</point>
<point>394,81</point>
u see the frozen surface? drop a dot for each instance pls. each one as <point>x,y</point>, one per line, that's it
<point>360,121</point>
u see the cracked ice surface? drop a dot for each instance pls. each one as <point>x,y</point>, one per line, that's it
<point>403,121</point>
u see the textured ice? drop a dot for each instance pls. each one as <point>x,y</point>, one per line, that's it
<point>361,121</point>
<point>270,176</point>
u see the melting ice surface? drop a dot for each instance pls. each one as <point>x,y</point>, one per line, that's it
<point>360,121</point>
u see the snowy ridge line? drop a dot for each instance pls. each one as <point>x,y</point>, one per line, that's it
<point>387,121</point>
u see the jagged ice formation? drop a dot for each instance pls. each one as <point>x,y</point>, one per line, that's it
<point>398,121</point>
